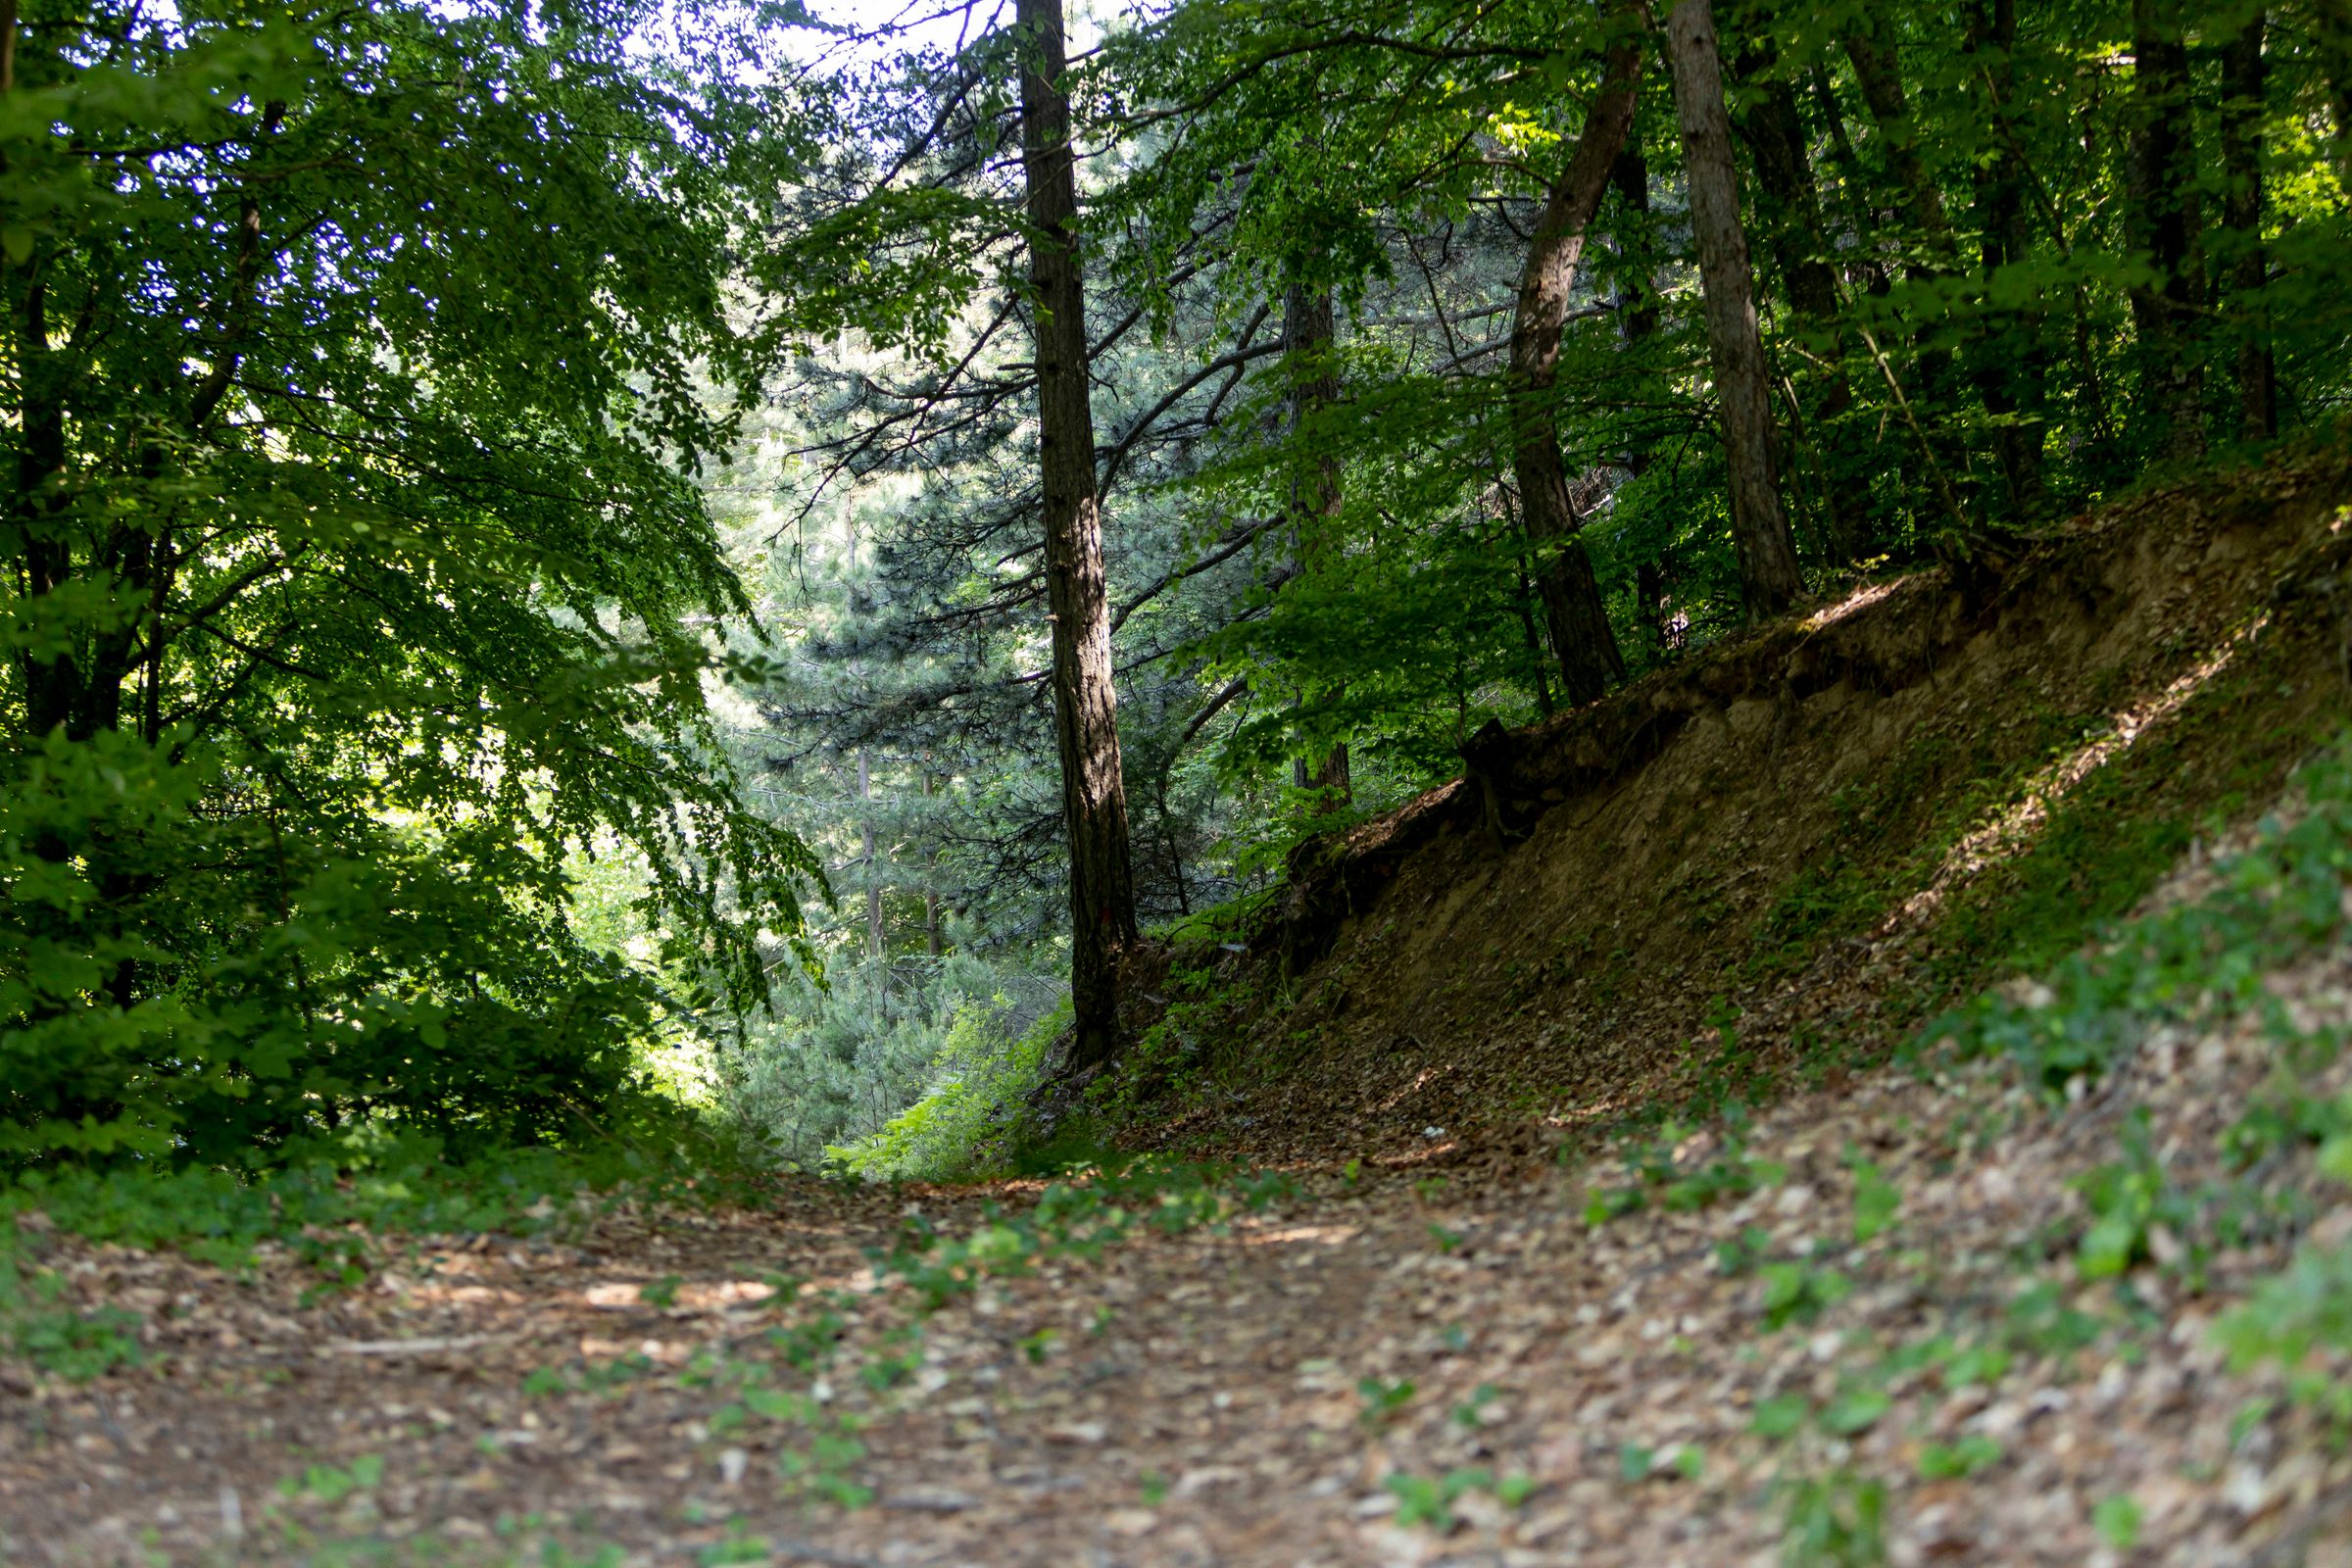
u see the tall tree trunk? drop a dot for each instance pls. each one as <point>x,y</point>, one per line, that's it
<point>1775,131</point>
<point>934,937</point>
<point>1308,338</point>
<point>1879,74</point>
<point>2164,210</point>
<point>2011,365</point>
<point>1094,797</point>
<point>2331,28</point>
<point>865,856</point>
<point>2245,81</point>
<point>1581,638</point>
<point>1769,579</point>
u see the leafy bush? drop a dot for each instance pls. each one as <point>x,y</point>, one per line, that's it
<point>340,600</point>
<point>835,1063</point>
<point>967,1127</point>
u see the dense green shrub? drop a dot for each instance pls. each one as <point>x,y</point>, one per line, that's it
<point>968,1126</point>
<point>352,576</point>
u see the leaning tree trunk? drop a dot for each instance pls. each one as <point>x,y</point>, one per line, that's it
<point>1580,637</point>
<point>1768,579</point>
<point>1094,797</point>
<point>2164,208</point>
<point>1307,343</point>
<point>2245,81</point>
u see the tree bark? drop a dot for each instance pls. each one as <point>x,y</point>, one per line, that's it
<point>1581,638</point>
<point>2011,365</point>
<point>1094,797</point>
<point>1879,74</point>
<point>1775,131</point>
<point>1769,579</point>
<point>2331,27</point>
<point>2246,83</point>
<point>1308,338</point>
<point>2164,209</point>
<point>934,937</point>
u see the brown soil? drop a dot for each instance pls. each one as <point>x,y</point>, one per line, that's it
<point>1552,935</point>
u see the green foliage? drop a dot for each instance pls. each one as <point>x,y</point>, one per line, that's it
<point>72,1344</point>
<point>2117,1520</point>
<point>327,1197</point>
<point>1834,1521</point>
<point>1383,1401</point>
<point>353,373</point>
<point>1660,1179</point>
<point>2278,899</point>
<point>1428,1500</point>
<point>1959,1459</point>
<point>1798,1293</point>
<point>970,1122</point>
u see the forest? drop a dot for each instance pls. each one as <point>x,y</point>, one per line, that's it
<point>654,645</point>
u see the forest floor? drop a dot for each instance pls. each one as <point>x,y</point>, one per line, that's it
<point>1871,1328</point>
<point>2069,1284</point>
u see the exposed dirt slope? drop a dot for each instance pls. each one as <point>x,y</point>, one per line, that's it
<point>1819,825</point>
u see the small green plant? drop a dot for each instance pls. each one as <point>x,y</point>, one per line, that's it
<point>327,1484</point>
<point>1383,1401</point>
<point>662,1293</point>
<point>2117,1520</point>
<point>1834,1521</point>
<point>2300,1320</point>
<point>1658,1178</point>
<point>1797,1292</point>
<point>1959,1459</point>
<point>1739,1254</point>
<point>1876,1202</point>
<point>1430,1500</point>
<point>2128,1199</point>
<point>1469,1413</point>
<point>77,1346</point>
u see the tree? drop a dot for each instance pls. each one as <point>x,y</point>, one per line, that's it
<point>2245,83</point>
<point>1093,791</point>
<point>1769,579</point>
<point>2166,214</point>
<point>354,570</point>
<point>1580,637</point>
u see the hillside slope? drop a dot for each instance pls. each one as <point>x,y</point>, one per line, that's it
<point>1825,831</point>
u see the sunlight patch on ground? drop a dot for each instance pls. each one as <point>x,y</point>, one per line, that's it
<point>2011,828</point>
<point>1853,604</point>
<point>1328,1235</point>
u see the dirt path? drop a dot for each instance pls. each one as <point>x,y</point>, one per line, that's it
<point>1443,1361</point>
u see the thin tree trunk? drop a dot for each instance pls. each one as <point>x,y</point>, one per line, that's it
<point>2011,365</point>
<point>2164,207</point>
<point>865,838</point>
<point>2245,80</point>
<point>1879,74</point>
<point>1581,638</point>
<point>934,939</point>
<point>1775,133</point>
<point>1308,338</point>
<point>2331,27</point>
<point>1769,579</point>
<point>1094,797</point>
